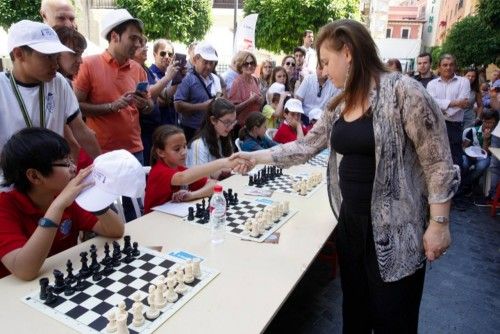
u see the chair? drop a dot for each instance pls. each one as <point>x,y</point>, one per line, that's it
<point>237,143</point>
<point>271,132</point>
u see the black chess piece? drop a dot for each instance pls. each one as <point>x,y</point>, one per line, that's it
<point>235,199</point>
<point>108,269</point>
<point>51,298</point>
<point>250,180</point>
<point>70,277</point>
<point>97,276</point>
<point>135,250</point>
<point>94,265</point>
<point>59,284</point>
<point>199,212</point>
<point>126,244</point>
<point>116,248</point>
<point>190,213</point>
<point>107,258</point>
<point>203,204</point>
<point>93,247</point>
<point>44,283</point>
<point>79,283</point>
<point>84,270</point>
<point>69,290</point>
<point>128,256</point>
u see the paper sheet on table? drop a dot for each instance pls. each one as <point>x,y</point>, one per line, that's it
<point>174,208</point>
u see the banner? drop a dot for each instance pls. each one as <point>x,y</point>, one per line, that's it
<point>245,34</point>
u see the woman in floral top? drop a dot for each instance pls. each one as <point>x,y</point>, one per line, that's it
<point>396,168</point>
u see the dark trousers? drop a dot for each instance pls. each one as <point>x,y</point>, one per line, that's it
<point>368,302</point>
<point>455,130</point>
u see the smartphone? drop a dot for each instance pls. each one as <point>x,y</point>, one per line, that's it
<point>142,87</point>
<point>181,58</point>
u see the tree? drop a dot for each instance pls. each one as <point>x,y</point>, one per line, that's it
<point>471,41</point>
<point>12,11</point>
<point>281,23</point>
<point>489,11</point>
<point>177,20</point>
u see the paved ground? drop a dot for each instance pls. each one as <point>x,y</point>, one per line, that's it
<point>461,293</point>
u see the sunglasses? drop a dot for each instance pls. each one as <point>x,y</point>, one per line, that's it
<point>249,63</point>
<point>164,53</point>
<point>290,64</point>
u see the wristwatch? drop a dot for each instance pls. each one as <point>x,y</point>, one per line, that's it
<point>45,222</point>
<point>443,220</point>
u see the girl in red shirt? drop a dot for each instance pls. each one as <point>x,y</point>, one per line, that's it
<point>169,179</point>
<point>291,129</point>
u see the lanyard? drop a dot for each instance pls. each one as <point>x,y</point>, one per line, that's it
<point>22,106</point>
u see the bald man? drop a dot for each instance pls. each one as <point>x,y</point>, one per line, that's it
<point>57,13</point>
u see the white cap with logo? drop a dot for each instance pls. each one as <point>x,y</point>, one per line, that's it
<point>116,173</point>
<point>38,36</point>
<point>206,51</point>
<point>294,105</point>
<point>114,18</point>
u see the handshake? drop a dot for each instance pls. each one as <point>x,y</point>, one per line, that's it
<point>242,162</point>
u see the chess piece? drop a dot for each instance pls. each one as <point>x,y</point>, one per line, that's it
<point>108,268</point>
<point>121,324</point>
<point>248,225</point>
<point>188,272</point>
<point>135,250</point>
<point>128,255</point>
<point>286,207</point>
<point>44,283</point>
<point>181,287</point>
<point>138,317</point>
<point>84,270</point>
<point>111,326</point>
<point>69,290</point>
<point>59,284</point>
<point>159,300</point>
<point>303,189</point>
<point>172,296</point>
<point>151,294</point>
<point>255,229</point>
<point>94,265</point>
<point>121,309</point>
<point>107,259</point>
<point>50,298</point>
<point>196,267</point>
<point>70,277</point>
<point>236,200</point>
<point>126,244</point>
<point>97,276</point>
<point>152,313</point>
<point>160,283</point>
<point>79,283</point>
<point>190,213</point>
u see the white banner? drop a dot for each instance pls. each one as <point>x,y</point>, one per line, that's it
<point>245,34</point>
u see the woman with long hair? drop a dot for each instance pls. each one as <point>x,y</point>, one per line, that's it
<point>265,76</point>
<point>391,191</point>
<point>472,114</point>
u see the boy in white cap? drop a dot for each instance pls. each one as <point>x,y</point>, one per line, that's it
<point>291,129</point>
<point>197,89</point>
<point>34,93</point>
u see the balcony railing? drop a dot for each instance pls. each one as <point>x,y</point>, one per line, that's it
<point>102,4</point>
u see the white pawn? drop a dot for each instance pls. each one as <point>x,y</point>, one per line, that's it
<point>172,296</point>
<point>286,207</point>
<point>159,299</point>
<point>152,312</point>
<point>138,317</point>
<point>171,275</point>
<point>196,267</point>
<point>259,215</point>
<point>111,326</point>
<point>303,189</point>
<point>181,287</point>
<point>121,324</point>
<point>248,225</point>
<point>160,283</point>
<point>255,229</point>
<point>268,219</point>
<point>121,309</point>
<point>261,226</point>
<point>188,272</point>
<point>151,295</point>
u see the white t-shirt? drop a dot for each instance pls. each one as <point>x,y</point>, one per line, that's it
<point>61,105</point>
<point>310,61</point>
<point>198,153</point>
<point>308,91</point>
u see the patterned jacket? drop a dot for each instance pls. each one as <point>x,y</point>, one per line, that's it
<point>413,169</point>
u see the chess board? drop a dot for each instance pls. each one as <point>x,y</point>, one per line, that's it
<point>86,310</point>
<point>237,215</point>
<point>284,184</point>
<point>320,159</point>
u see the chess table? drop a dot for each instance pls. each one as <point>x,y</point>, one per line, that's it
<point>254,281</point>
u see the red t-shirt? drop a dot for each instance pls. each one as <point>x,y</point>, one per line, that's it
<point>159,188</point>
<point>286,133</point>
<point>19,220</point>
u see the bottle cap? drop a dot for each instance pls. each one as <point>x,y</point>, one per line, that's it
<point>217,188</point>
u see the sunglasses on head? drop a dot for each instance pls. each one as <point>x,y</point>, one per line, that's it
<point>164,53</point>
<point>290,64</point>
<point>249,63</point>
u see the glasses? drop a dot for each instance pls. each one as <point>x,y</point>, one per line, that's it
<point>67,163</point>
<point>249,63</point>
<point>164,53</point>
<point>228,124</point>
<point>320,90</point>
<point>290,64</point>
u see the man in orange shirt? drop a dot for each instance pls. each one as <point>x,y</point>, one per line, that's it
<point>106,86</point>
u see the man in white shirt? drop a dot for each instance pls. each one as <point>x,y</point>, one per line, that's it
<point>311,59</point>
<point>451,93</point>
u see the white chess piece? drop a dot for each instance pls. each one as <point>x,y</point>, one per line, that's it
<point>151,295</point>
<point>159,299</point>
<point>138,317</point>
<point>286,206</point>
<point>171,275</point>
<point>268,218</point>
<point>197,267</point>
<point>152,312</point>
<point>121,309</point>
<point>255,229</point>
<point>111,326</point>
<point>188,272</point>
<point>172,296</point>
<point>121,324</point>
<point>160,283</point>
<point>261,226</point>
<point>248,225</point>
<point>181,287</point>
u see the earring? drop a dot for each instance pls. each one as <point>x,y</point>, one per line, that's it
<point>347,75</point>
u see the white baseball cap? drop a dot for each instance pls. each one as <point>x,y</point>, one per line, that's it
<point>294,105</point>
<point>116,173</point>
<point>36,35</point>
<point>315,113</point>
<point>206,51</point>
<point>114,18</point>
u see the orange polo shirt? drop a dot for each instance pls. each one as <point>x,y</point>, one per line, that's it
<point>104,81</point>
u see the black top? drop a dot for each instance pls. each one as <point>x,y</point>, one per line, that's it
<point>356,142</point>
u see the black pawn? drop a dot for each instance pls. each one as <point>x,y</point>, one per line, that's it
<point>235,199</point>
<point>135,250</point>
<point>250,180</point>
<point>79,284</point>
<point>50,297</point>
<point>94,265</point>
<point>93,248</point>
<point>44,283</point>
<point>199,212</point>
<point>70,277</point>
<point>59,284</point>
<point>190,213</point>
<point>108,268</point>
<point>97,276</point>
<point>107,259</point>
<point>127,244</point>
<point>84,270</point>
<point>69,290</point>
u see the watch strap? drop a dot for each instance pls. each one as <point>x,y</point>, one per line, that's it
<point>443,220</point>
<point>46,222</point>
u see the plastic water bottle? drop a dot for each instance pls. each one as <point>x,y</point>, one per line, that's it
<point>217,215</point>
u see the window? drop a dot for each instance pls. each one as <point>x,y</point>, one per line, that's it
<point>99,4</point>
<point>388,33</point>
<point>405,33</point>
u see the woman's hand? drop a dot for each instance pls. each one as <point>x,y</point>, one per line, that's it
<point>437,239</point>
<point>73,188</point>
<point>241,162</point>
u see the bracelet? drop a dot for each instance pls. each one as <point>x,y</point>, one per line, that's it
<point>110,107</point>
<point>46,222</point>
